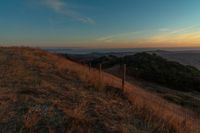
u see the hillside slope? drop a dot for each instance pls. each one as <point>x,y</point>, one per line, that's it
<point>38,94</point>
<point>42,92</point>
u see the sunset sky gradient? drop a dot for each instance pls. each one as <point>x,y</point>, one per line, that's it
<point>100,23</point>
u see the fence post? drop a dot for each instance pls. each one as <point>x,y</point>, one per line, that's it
<point>124,77</point>
<point>89,66</point>
<point>100,67</point>
<point>100,75</point>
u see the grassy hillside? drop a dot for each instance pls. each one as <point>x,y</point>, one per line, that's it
<point>42,92</point>
<point>170,80</point>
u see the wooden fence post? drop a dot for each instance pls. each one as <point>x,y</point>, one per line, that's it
<point>89,66</point>
<point>124,77</point>
<point>100,74</point>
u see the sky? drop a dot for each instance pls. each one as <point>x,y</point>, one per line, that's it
<point>100,23</point>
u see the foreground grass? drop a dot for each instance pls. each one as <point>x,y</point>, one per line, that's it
<point>41,92</point>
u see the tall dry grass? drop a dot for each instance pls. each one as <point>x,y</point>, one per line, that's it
<point>149,105</point>
<point>181,119</point>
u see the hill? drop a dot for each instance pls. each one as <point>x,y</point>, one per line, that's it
<point>43,92</point>
<point>152,67</point>
<point>185,57</point>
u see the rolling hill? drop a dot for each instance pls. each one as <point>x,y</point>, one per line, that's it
<point>154,68</point>
<point>43,92</point>
<point>185,57</point>
<point>170,80</point>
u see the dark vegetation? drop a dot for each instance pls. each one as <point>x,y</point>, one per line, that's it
<point>81,58</point>
<point>154,68</point>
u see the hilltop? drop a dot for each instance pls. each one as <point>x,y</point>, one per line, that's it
<point>38,94</point>
<point>154,68</point>
<point>43,92</point>
<point>185,57</point>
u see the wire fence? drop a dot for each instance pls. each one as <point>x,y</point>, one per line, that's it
<point>183,118</point>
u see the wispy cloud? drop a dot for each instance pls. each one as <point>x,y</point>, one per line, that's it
<point>126,36</point>
<point>179,30</point>
<point>164,29</point>
<point>185,29</point>
<point>185,35</point>
<point>106,39</point>
<point>63,8</point>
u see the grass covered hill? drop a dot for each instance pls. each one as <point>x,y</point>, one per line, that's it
<point>44,93</point>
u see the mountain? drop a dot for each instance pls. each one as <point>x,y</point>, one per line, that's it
<point>43,92</point>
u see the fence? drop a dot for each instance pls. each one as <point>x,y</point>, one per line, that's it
<point>182,118</point>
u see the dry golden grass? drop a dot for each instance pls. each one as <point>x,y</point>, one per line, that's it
<point>183,120</point>
<point>51,82</point>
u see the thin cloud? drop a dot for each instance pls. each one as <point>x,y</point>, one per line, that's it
<point>185,29</point>
<point>164,29</point>
<point>61,7</point>
<point>119,36</point>
<point>56,5</point>
<point>188,34</point>
<point>179,30</point>
<point>106,39</point>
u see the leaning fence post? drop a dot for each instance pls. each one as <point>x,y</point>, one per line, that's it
<point>100,67</point>
<point>124,77</point>
<point>89,66</point>
<point>100,74</point>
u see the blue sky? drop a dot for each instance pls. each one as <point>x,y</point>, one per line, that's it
<point>100,23</point>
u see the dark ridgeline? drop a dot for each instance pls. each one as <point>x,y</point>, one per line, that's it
<point>154,68</point>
